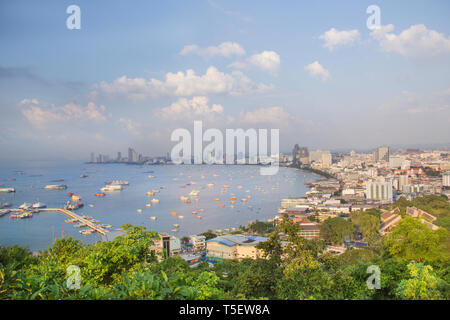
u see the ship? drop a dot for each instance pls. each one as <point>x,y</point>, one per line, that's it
<point>39,205</point>
<point>112,187</point>
<point>55,187</point>
<point>25,206</point>
<point>118,182</point>
<point>74,206</point>
<point>7,190</point>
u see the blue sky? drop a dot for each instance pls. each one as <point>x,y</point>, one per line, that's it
<point>313,70</point>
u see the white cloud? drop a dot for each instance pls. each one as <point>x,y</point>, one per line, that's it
<point>184,84</point>
<point>315,69</point>
<point>417,41</point>
<point>268,61</point>
<point>188,108</point>
<point>225,49</point>
<point>334,38</point>
<point>41,114</point>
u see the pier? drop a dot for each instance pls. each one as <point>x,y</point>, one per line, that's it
<point>74,216</point>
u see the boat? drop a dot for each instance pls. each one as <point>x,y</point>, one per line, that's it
<point>199,217</point>
<point>91,206</point>
<point>174,230</point>
<point>181,217</point>
<point>111,188</point>
<point>55,187</point>
<point>231,207</point>
<point>69,194</point>
<point>225,187</point>
<point>7,190</point>
<point>216,199</point>
<point>152,218</point>
<point>39,205</point>
<point>74,206</point>
<point>75,198</point>
<point>4,212</point>
<point>118,183</point>
<point>23,215</point>
<point>6,205</point>
<point>139,210</point>
<point>202,210</point>
<point>84,176</point>
<point>183,198</point>
<point>233,198</point>
<point>149,193</point>
<point>174,213</point>
<point>154,200</point>
<point>193,212</point>
<point>106,226</point>
<point>194,193</point>
<point>239,187</point>
<point>25,206</point>
<point>176,225</point>
<point>244,200</point>
<point>148,205</point>
<point>210,185</point>
<point>100,194</point>
<point>221,205</point>
<point>150,177</point>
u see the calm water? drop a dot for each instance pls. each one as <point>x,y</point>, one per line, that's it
<point>119,208</point>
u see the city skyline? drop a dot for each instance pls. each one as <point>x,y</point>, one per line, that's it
<point>315,72</point>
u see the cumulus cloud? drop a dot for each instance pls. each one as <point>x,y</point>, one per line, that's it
<point>197,107</point>
<point>315,69</point>
<point>334,38</point>
<point>184,84</point>
<point>42,114</point>
<point>268,61</point>
<point>225,49</point>
<point>417,41</point>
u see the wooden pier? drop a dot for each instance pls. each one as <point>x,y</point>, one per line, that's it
<point>74,216</point>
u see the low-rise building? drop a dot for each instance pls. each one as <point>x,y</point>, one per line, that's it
<point>234,247</point>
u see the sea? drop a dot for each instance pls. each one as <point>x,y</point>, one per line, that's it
<point>217,185</point>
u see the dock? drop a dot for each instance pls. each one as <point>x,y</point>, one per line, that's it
<point>75,217</point>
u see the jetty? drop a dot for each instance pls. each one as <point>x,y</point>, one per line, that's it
<point>85,222</point>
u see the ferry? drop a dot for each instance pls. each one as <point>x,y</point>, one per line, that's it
<point>7,190</point>
<point>55,187</point>
<point>111,188</point>
<point>118,183</point>
<point>39,205</point>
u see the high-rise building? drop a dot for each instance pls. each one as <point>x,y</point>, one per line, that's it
<point>322,157</point>
<point>403,180</point>
<point>381,191</point>
<point>93,157</point>
<point>132,155</point>
<point>396,162</point>
<point>381,153</point>
<point>446,179</point>
<point>300,155</point>
<point>119,156</point>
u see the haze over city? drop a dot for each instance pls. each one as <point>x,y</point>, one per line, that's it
<point>315,71</point>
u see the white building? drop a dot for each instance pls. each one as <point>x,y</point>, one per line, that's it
<point>446,179</point>
<point>198,242</point>
<point>322,157</point>
<point>396,162</point>
<point>381,191</point>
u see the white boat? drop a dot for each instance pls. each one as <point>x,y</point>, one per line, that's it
<point>152,218</point>
<point>148,205</point>
<point>194,193</point>
<point>7,190</point>
<point>25,206</point>
<point>154,200</point>
<point>181,217</point>
<point>139,210</point>
<point>112,187</point>
<point>39,205</point>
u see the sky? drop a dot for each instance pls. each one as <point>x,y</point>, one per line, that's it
<point>137,70</point>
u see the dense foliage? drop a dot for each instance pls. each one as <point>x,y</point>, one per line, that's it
<point>413,262</point>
